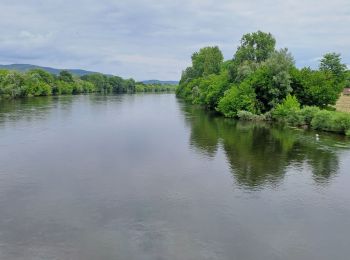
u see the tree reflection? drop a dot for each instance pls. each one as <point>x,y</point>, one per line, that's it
<point>25,109</point>
<point>204,134</point>
<point>259,154</point>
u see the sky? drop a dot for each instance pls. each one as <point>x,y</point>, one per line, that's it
<point>154,39</point>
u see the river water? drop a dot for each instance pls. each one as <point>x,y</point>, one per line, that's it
<point>150,177</point>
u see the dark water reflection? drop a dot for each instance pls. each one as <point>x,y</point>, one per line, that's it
<point>260,153</point>
<point>149,177</point>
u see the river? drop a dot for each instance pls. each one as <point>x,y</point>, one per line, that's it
<point>147,176</point>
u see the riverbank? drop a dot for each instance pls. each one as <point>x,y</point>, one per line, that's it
<point>38,82</point>
<point>290,113</point>
<point>263,83</point>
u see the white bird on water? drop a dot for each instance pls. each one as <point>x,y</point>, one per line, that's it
<point>317,137</point>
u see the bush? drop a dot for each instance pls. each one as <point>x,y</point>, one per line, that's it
<point>246,115</point>
<point>308,113</point>
<point>290,105</point>
<point>241,97</point>
<point>289,112</point>
<point>267,116</point>
<point>338,122</point>
<point>249,116</point>
<point>321,120</point>
<point>347,133</point>
<point>295,119</point>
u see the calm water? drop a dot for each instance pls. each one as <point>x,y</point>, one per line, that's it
<point>149,177</point>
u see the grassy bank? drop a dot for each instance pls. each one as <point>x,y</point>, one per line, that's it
<point>343,104</point>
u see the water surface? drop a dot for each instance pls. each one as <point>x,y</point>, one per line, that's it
<point>149,177</point>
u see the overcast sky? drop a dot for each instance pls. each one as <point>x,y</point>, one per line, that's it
<point>154,39</point>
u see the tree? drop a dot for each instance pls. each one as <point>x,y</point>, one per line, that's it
<point>44,76</point>
<point>211,89</point>
<point>272,80</point>
<point>187,75</point>
<point>315,88</point>
<point>116,84</point>
<point>347,78</point>
<point>129,85</point>
<point>241,97</point>
<point>36,83</point>
<point>255,47</point>
<point>12,84</point>
<point>331,62</point>
<point>207,61</point>
<point>66,76</point>
<point>99,80</point>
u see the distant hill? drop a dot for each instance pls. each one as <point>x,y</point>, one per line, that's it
<point>26,67</point>
<point>78,72</point>
<point>161,82</point>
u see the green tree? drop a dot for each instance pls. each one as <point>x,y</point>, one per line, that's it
<point>241,97</point>
<point>44,76</point>
<point>331,62</point>
<point>37,84</point>
<point>207,61</point>
<point>217,86</point>
<point>116,84</point>
<point>255,47</point>
<point>12,84</point>
<point>315,88</point>
<point>66,76</point>
<point>272,80</point>
<point>100,81</point>
<point>347,79</point>
<point>187,75</point>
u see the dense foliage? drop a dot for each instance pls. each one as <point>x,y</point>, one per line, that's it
<point>261,82</point>
<point>141,87</point>
<point>38,82</point>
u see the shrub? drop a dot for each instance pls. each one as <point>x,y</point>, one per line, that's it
<point>331,121</point>
<point>246,115</point>
<point>268,116</point>
<point>289,105</point>
<point>341,122</point>
<point>249,116</point>
<point>347,133</point>
<point>289,112</point>
<point>241,97</point>
<point>295,119</point>
<point>321,120</point>
<point>308,113</point>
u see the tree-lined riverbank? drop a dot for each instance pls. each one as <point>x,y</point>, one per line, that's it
<point>263,83</point>
<point>38,82</point>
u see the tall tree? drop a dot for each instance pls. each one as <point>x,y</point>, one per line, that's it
<point>332,62</point>
<point>272,80</point>
<point>255,47</point>
<point>207,61</point>
<point>66,76</point>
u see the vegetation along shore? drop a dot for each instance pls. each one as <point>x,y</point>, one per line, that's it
<point>261,82</point>
<point>38,82</point>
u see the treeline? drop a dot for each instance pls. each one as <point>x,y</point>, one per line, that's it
<point>260,81</point>
<point>141,87</point>
<point>39,82</point>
